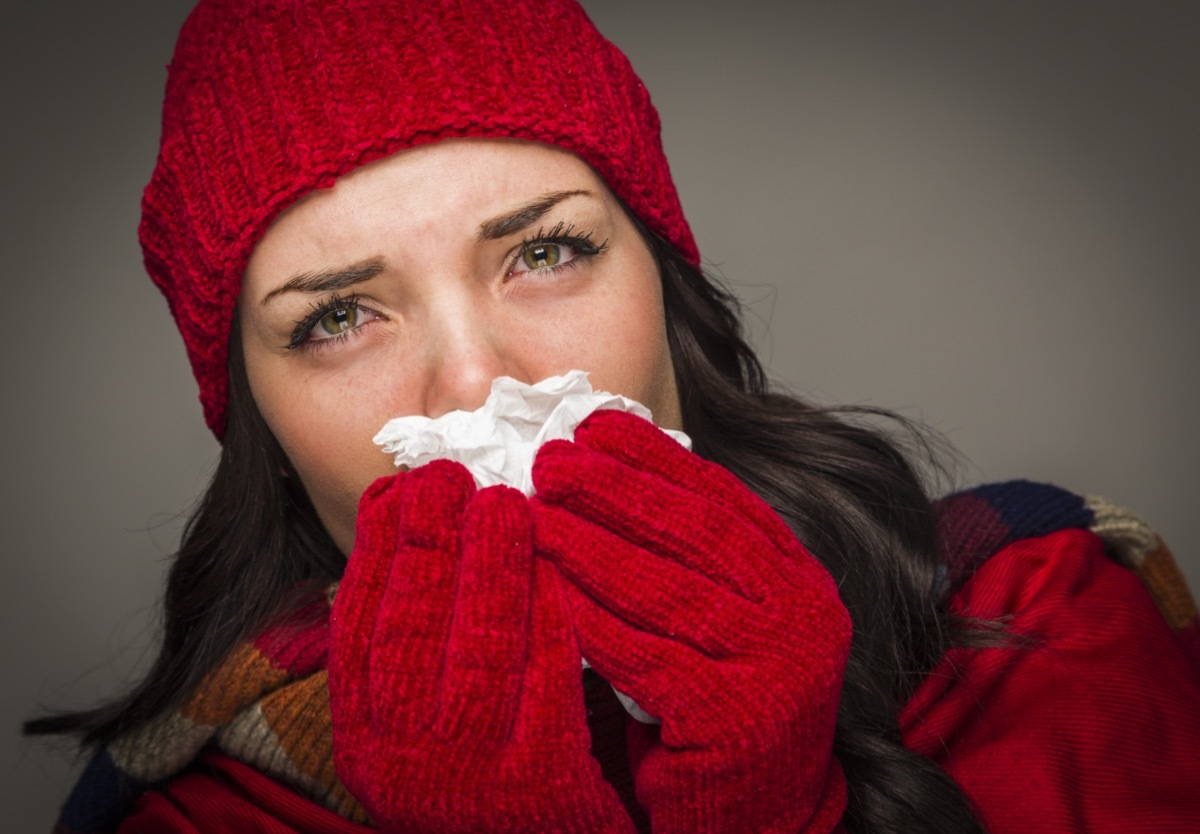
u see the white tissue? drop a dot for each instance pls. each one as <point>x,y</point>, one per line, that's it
<point>497,442</point>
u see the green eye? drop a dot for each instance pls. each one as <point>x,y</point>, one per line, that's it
<point>331,321</point>
<point>542,255</point>
<point>339,320</point>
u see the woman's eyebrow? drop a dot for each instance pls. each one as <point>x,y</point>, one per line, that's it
<point>330,279</point>
<point>527,215</point>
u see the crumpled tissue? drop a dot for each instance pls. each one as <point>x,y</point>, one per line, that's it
<point>498,441</point>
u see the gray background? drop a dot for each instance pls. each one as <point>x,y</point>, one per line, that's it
<point>982,215</point>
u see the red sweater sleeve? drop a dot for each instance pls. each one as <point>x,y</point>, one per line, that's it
<point>1094,726</point>
<point>222,794</point>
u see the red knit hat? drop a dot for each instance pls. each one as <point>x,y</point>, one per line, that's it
<point>269,99</point>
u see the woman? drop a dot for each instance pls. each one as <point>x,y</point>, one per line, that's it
<point>372,209</point>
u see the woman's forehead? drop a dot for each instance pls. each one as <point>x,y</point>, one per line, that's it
<point>461,188</point>
<point>476,174</point>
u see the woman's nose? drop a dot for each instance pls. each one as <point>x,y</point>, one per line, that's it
<point>467,350</point>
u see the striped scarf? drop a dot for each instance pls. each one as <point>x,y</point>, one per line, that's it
<point>268,704</point>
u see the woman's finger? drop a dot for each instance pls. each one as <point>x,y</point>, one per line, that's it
<point>666,678</point>
<point>553,705</point>
<point>488,642</point>
<point>653,593</point>
<point>703,535</point>
<point>640,444</point>
<point>356,606</point>
<point>408,649</point>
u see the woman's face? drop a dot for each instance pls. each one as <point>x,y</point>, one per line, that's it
<point>416,280</point>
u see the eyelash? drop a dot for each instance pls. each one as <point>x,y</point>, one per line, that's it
<point>319,311</point>
<point>561,234</point>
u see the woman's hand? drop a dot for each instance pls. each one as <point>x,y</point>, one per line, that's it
<point>454,677</point>
<point>693,597</point>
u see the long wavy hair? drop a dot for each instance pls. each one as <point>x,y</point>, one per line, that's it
<point>843,484</point>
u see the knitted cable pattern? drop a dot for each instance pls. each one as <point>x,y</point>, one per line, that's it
<point>268,704</point>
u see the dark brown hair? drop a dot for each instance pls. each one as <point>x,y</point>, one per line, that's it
<point>851,495</point>
<point>842,484</point>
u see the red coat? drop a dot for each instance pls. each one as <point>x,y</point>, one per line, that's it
<point>1093,727</point>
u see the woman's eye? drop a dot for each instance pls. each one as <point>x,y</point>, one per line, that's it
<point>329,321</point>
<point>544,255</point>
<point>336,322</point>
<point>549,251</point>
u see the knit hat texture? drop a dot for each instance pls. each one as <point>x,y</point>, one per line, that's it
<point>268,100</point>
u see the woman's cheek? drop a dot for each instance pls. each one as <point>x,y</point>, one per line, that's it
<point>336,483</point>
<point>620,338</point>
<point>328,438</point>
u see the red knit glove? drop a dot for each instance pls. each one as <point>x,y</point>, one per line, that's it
<point>454,675</point>
<point>693,597</point>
